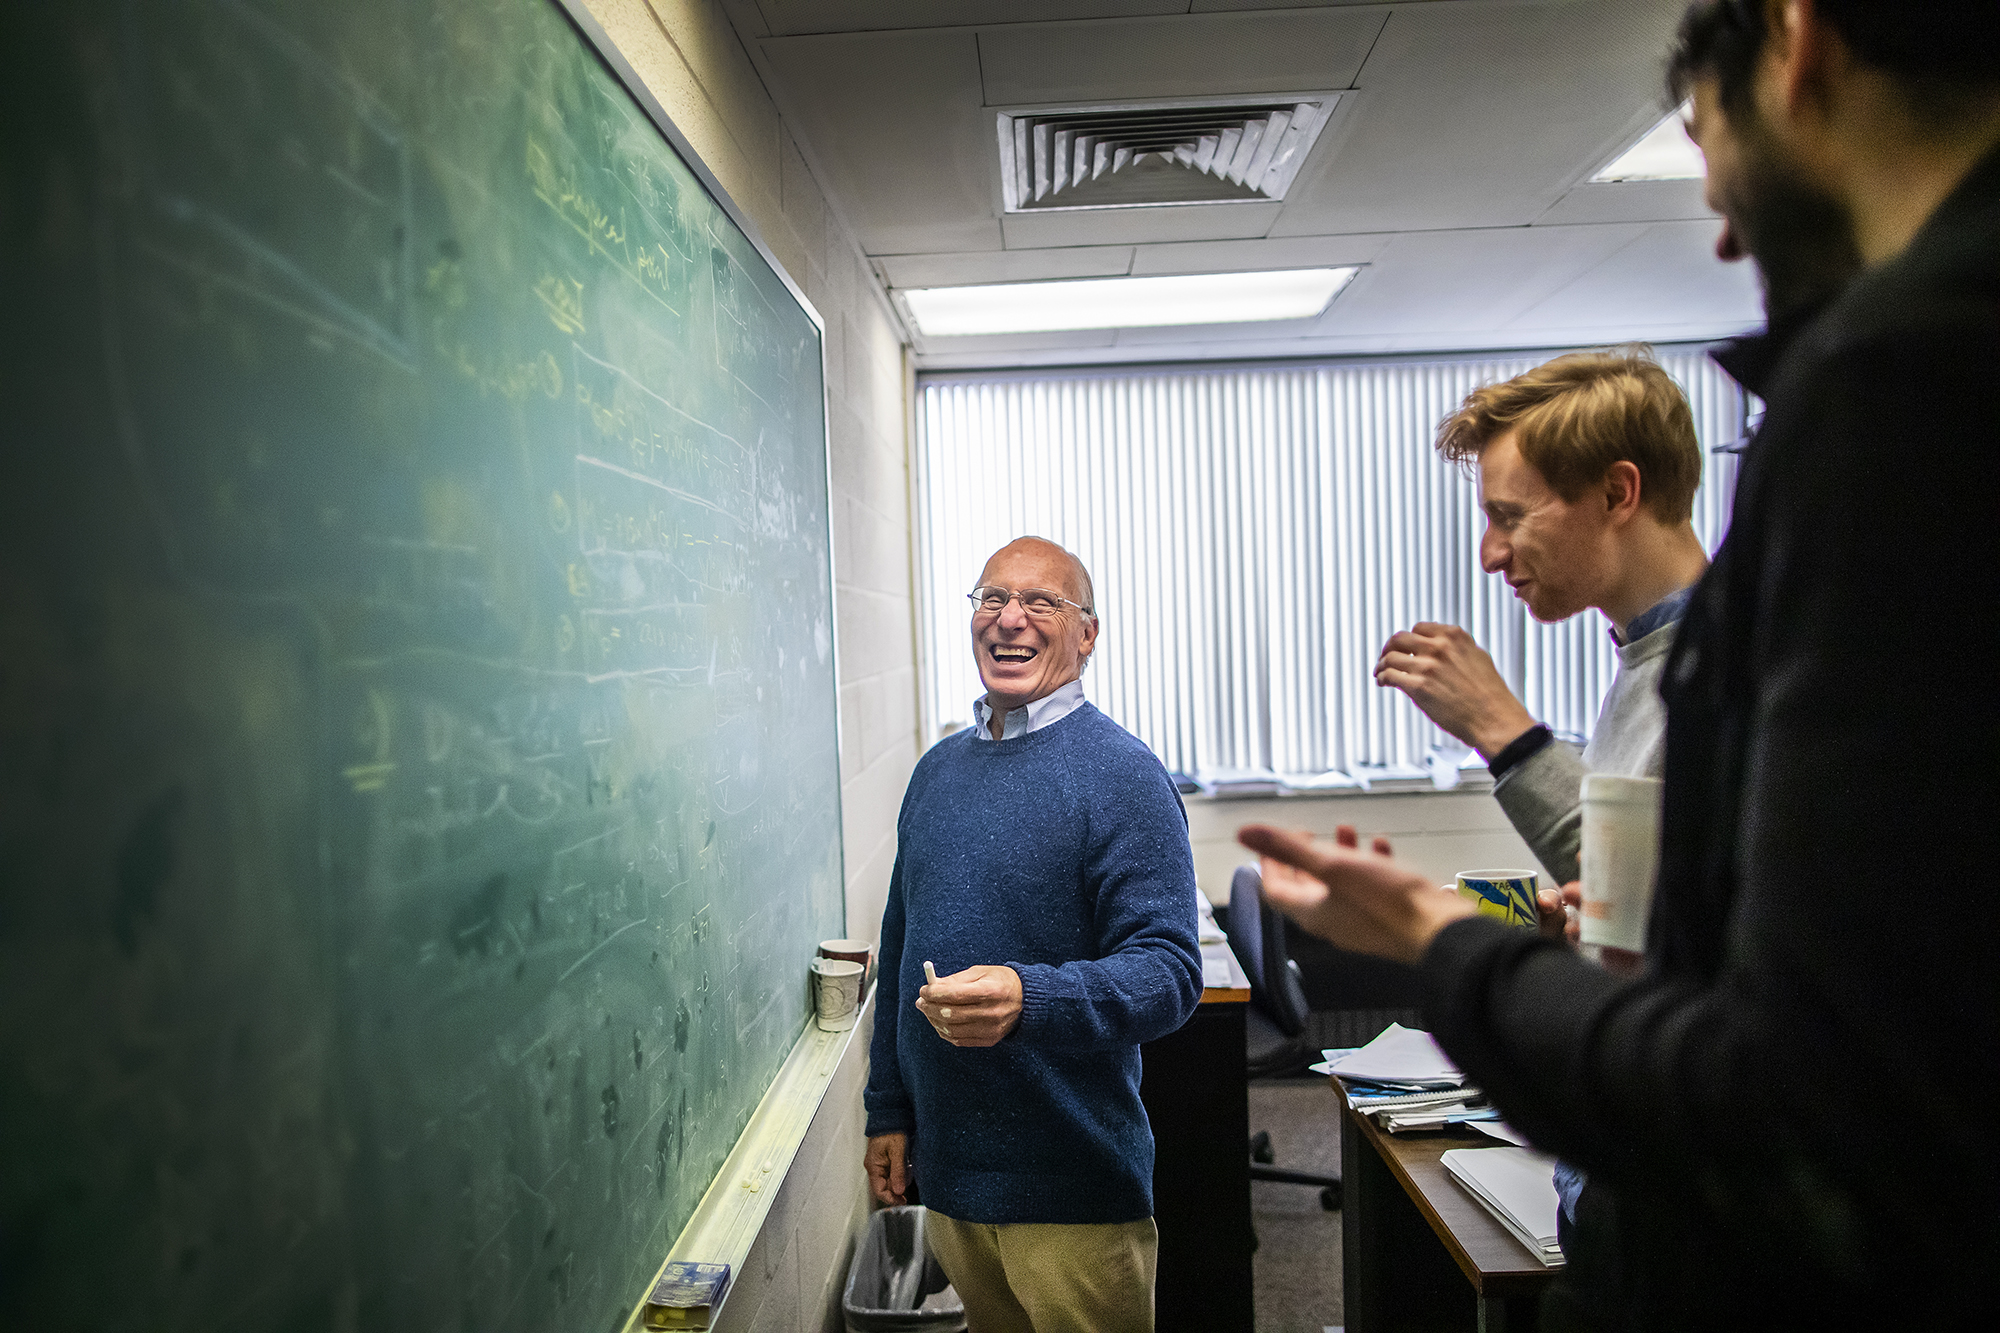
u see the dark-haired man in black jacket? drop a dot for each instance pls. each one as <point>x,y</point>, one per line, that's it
<point>1787,1113</point>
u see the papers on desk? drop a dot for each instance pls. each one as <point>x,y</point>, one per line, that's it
<point>1331,780</point>
<point>1206,931</point>
<point>1430,1109</point>
<point>1403,1082</point>
<point>1469,1110</point>
<point>1516,1186</point>
<point>1237,783</point>
<point>1215,972</point>
<point>1399,1056</point>
<point>1392,778</point>
<point>1501,1130</point>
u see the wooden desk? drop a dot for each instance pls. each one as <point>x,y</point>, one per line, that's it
<point>1420,1253</point>
<point>1195,1093</point>
<point>1218,956</point>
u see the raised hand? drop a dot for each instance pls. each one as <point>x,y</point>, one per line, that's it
<point>1363,901</point>
<point>1455,682</point>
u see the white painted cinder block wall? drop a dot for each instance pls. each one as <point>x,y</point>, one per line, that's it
<point>693,62</point>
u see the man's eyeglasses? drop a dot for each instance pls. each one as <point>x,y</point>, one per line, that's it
<point>1037,602</point>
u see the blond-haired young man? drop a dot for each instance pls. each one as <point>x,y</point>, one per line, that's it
<point>1587,470</point>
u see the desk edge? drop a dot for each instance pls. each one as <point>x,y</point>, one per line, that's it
<point>1524,1283</point>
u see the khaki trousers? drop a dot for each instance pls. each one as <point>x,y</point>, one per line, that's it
<point>1036,1277</point>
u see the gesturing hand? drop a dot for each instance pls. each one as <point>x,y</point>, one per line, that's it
<point>1294,883</point>
<point>1456,684</point>
<point>1359,900</point>
<point>976,1007</point>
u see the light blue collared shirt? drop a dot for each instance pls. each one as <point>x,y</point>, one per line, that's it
<point>1669,610</point>
<point>1043,712</point>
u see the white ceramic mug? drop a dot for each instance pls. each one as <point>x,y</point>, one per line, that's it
<point>1621,856</point>
<point>836,993</point>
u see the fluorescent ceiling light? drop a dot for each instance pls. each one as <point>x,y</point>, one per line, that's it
<point>1665,154</point>
<point>1123,303</point>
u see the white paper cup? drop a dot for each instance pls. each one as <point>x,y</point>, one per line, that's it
<point>836,993</point>
<point>1621,856</point>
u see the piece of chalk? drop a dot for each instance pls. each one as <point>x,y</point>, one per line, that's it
<point>930,972</point>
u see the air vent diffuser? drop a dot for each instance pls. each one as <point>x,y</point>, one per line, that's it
<point>1141,156</point>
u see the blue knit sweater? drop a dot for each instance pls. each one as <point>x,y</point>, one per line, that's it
<point>1064,855</point>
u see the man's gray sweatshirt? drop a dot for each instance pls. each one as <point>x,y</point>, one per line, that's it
<point>1543,794</point>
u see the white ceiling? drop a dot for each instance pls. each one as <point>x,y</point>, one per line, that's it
<point>1456,169</point>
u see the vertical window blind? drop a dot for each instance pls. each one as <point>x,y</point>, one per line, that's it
<point>1255,533</point>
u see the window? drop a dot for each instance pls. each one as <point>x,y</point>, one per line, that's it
<point>1255,534</point>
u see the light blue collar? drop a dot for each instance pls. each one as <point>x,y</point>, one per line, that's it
<point>1046,711</point>
<point>1659,615</point>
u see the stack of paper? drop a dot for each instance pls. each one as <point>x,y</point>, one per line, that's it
<point>1400,1055</point>
<point>1228,782</point>
<point>1516,1186</point>
<point>1427,1110</point>
<point>1405,1082</point>
<point>1393,777</point>
<point>1331,780</point>
<point>1206,931</point>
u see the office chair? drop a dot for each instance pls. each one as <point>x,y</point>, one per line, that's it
<point>1276,1024</point>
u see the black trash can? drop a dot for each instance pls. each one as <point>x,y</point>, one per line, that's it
<point>894,1285</point>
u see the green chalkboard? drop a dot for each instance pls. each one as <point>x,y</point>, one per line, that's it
<point>419,796</point>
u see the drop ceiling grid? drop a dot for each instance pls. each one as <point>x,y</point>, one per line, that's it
<point>1465,116</point>
<point>1484,116</point>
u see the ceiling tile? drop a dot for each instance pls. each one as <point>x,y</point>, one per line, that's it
<point>896,126</point>
<point>1483,115</point>
<point>1187,56</point>
<point>1629,201</point>
<point>1253,256</point>
<point>1115,226</point>
<point>792,17</point>
<point>1092,261</point>
<point>1667,276</point>
<point>1449,283</point>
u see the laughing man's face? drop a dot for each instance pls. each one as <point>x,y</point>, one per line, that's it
<point>1023,658</point>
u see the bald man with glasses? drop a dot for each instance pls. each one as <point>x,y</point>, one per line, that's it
<point>1043,867</point>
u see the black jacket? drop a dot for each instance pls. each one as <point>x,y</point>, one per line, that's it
<point>1797,1108</point>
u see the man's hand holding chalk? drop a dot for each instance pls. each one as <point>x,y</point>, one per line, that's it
<point>976,1007</point>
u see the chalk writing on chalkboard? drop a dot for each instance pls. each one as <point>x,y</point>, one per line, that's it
<point>419,744</point>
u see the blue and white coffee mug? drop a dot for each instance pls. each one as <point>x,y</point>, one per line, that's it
<point>1505,895</point>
